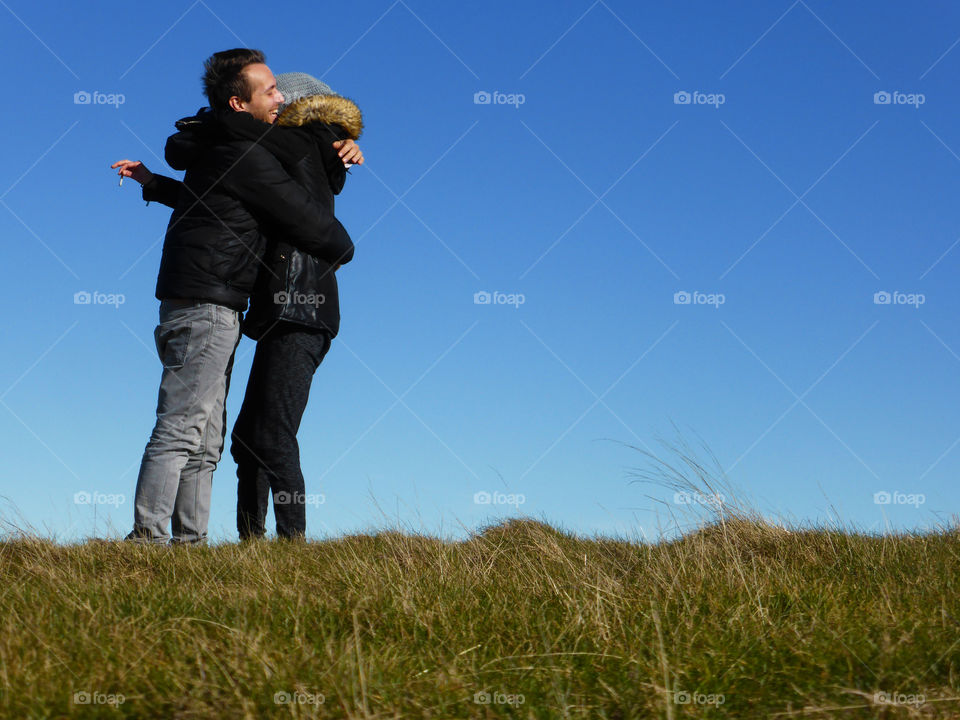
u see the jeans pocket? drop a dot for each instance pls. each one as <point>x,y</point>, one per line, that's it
<point>172,344</point>
<point>227,317</point>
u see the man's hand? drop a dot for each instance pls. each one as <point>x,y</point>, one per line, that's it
<point>349,151</point>
<point>133,169</point>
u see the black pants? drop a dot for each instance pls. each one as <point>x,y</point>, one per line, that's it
<point>264,439</point>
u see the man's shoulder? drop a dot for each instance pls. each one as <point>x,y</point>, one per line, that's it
<point>237,148</point>
<point>238,156</point>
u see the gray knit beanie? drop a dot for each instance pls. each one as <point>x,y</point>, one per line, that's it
<point>294,86</point>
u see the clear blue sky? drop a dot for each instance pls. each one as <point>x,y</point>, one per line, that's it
<point>794,197</point>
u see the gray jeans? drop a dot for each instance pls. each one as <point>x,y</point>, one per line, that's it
<point>196,343</point>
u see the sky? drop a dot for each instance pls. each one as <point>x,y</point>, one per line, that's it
<point>583,236</point>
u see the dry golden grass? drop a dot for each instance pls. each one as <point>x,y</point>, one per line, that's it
<point>737,618</point>
<point>741,618</point>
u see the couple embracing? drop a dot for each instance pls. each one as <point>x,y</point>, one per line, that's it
<point>253,221</point>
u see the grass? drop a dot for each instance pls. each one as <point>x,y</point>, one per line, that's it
<point>738,618</point>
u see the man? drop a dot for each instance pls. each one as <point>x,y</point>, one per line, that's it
<point>294,313</point>
<point>211,255</point>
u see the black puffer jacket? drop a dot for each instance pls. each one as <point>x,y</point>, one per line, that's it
<point>295,286</point>
<point>235,183</point>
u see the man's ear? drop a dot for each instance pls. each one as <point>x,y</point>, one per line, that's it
<point>236,104</point>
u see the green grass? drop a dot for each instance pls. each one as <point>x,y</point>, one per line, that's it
<point>774,623</point>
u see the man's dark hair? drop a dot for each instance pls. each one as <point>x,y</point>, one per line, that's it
<point>224,76</point>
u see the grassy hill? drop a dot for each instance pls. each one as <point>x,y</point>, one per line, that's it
<point>737,619</point>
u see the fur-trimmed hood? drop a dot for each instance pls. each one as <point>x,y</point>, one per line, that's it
<point>329,109</point>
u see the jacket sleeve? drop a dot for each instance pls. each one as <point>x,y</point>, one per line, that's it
<point>324,136</point>
<point>162,189</point>
<point>260,182</point>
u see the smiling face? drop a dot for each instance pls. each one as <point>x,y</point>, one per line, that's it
<point>265,99</point>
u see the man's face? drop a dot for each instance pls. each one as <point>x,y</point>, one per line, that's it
<point>265,98</point>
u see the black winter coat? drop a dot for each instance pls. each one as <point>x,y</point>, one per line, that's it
<point>235,184</point>
<point>295,286</point>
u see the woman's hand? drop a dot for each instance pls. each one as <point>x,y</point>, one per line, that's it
<point>349,152</point>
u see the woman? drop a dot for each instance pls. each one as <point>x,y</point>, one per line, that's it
<point>294,316</point>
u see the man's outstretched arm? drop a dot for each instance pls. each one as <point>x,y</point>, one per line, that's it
<point>273,194</point>
<point>156,188</point>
